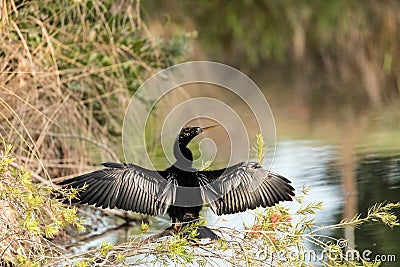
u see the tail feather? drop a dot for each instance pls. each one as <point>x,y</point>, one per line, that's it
<point>205,232</point>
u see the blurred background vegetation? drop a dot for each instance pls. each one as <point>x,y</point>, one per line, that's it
<point>341,42</point>
<point>329,69</point>
<point>68,68</point>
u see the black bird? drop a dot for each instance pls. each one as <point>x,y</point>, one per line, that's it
<point>180,190</point>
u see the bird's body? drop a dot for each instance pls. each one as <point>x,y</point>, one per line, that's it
<point>180,190</point>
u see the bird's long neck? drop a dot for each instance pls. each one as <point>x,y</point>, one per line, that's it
<point>183,155</point>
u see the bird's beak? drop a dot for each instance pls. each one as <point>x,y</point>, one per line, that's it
<point>208,128</point>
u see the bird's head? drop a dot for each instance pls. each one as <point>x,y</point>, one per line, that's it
<point>188,133</point>
<point>182,153</point>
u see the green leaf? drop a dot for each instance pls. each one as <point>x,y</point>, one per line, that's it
<point>51,230</point>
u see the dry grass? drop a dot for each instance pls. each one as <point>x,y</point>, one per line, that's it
<point>67,70</point>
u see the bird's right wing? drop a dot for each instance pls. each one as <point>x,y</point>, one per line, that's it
<point>127,187</point>
<point>243,186</point>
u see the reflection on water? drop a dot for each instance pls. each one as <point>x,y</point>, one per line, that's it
<point>307,163</point>
<point>378,179</point>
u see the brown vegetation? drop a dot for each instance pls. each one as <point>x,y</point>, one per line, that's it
<point>67,71</point>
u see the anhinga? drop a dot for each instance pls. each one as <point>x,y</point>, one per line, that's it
<point>227,191</point>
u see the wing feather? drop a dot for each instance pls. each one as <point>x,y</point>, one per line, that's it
<point>126,193</point>
<point>95,195</point>
<point>124,186</point>
<point>123,193</point>
<point>246,186</point>
<point>85,196</point>
<point>114,194</point>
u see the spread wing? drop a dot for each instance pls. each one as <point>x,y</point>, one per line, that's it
<point>127,187</point>
<point>243,186</point>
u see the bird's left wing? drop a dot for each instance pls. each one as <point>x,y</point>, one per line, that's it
<point>125,186</point>
<point>243,186</point>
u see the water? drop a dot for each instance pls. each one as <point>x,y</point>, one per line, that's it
<point>329,136</point>
<point>350,161</point>
<point>320,166</point>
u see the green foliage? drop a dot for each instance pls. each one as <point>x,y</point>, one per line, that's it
<point>178,249</point>
<point>277,238</point>
<point>286,236</point>
<point>310,208</point>
<point>144,227</point>
<point>29,214</point>
<point>23,261</point>
<point>82,263</point>
<point>119,258</point>
<point>260,148</point>
<point>384,212</point>
<point>105,248</point>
